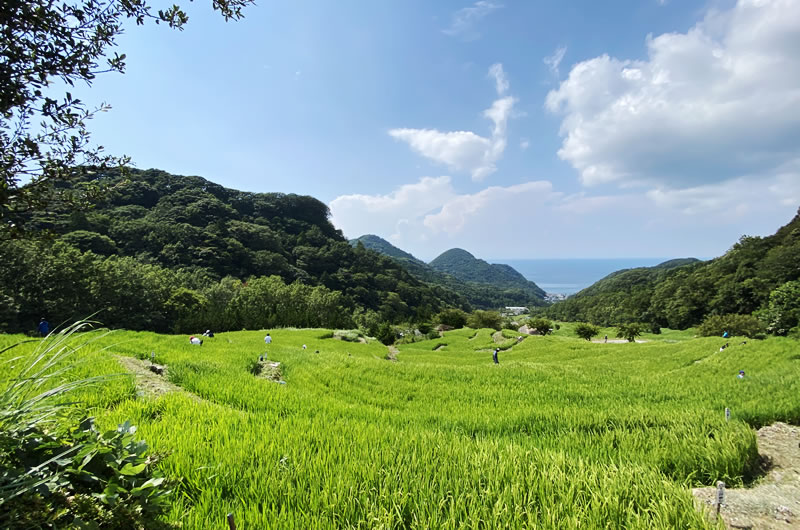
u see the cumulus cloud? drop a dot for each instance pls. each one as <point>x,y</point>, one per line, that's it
<point>429,216</point>
<point>494,202</point>
<point>716,103</point>
<point>386,215</point>
<point>553,61</point>
<point>465,150</point>
<point>465,19</point>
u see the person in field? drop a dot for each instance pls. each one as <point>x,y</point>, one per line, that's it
<point>494,356</point>
<point>267,339</point>
<point>44,327</point>
<point>208,333</point>
<point>194,340</point>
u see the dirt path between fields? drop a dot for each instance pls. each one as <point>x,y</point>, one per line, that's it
<point>148,383</point>
<point>773,501</point>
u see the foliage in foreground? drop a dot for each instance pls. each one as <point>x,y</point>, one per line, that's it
<point>56,471</point>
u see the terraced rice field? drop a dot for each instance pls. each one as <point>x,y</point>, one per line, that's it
<point>563,433</point>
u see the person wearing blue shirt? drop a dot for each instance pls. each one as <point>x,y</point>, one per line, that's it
<point>44,327</point>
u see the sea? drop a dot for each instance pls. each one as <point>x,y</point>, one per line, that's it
<point>568,276</point>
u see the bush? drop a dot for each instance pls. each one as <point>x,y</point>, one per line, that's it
<point>455,318</point>
<point>349,335</point>
<point>386,334</point>
<point>629,331</point>
<point>485,319</point>
<point>543,325</point>
<point>735,325</point>
<point>586,331</point>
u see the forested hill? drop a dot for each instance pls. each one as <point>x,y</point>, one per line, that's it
<point>155,233</point>
<point>378,244</point>
<point>464,266</point>
<point>500,286</point>
<point>758,275</point>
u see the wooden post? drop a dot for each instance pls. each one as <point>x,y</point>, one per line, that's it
<point>727,414</point>
<point>231,524</point>
<point>720,496</point>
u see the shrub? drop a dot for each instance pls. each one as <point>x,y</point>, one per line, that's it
<point>741,325</point>
<point>543,325</point>
<point>349,335</point>
<point>386,334</point>
<point>586,331</point>
<point>455,318</point>
<point>485,319</point>
<point>629,331</point>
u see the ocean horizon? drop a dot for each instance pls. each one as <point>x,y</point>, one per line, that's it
<point>568,276</point>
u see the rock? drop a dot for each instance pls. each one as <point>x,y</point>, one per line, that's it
<point>157,369</point>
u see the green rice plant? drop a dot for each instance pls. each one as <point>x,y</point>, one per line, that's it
<point>564,433</point>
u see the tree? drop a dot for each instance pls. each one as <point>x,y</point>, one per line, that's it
<point>629,331</point>
<point>586,331</point>
<point>735,325</point>
<point>454,318</point>
<point>42,43</point>
<point>485,319</point>
<point>783,311</point>
<point>386,334</point>
<point>543,325</point>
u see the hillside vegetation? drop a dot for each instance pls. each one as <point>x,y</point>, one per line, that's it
<point>758,275</point>
<point>563,433</point>
<point>483,285</point>
<point>173,253</point>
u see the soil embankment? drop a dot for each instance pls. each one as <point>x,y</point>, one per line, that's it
<point>772,502</point>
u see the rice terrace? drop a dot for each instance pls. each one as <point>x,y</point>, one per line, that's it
<point>399,264</point>
<point>561,433</point>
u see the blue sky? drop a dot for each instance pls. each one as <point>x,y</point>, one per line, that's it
<point>511,129</point>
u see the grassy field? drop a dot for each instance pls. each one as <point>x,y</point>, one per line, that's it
<point>563,433</point>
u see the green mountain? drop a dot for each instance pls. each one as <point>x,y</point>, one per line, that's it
<point>378,244</point>
<point>162,250</point>
<point>752,277</point>
<point>464,266</point>
<point>499,286</point>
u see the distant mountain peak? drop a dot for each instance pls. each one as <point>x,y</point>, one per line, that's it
<point>380,245</point>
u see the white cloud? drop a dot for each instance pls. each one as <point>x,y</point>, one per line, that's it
<point>719,102</point>
<point>465,150</point>
<point>533,219</point>
<point>553,61</point>
<point>385,215</point>
<point>465,19</point>
<point>501,82</point>
<point>524,143</point>
<point>494,202</point>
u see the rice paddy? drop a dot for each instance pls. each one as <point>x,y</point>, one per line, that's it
<point>563,433</point>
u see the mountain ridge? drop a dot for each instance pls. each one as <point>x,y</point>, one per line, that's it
<point>484,285</point>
